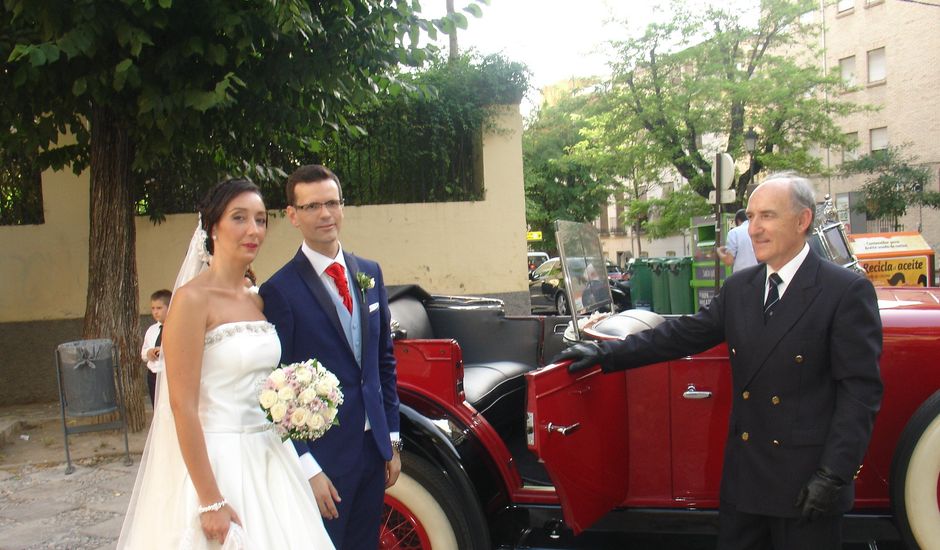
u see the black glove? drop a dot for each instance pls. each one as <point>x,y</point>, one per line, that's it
<point>818,497</point>
<point>583,355</point>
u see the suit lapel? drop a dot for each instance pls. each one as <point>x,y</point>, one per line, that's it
<point>801,292</point>
<point>320,294</point>
<point>353,264</point>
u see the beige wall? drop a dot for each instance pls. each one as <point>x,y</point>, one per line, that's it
<point>908,99</point>
<point>448,248</point>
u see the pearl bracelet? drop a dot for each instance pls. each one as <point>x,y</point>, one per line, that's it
<point>214,507</point>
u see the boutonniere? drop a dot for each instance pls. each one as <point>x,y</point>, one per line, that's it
<point>365,283</point>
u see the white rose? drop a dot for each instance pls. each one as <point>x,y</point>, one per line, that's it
<point>278,378</point>
<point>303,375</point>
<point>332,379</point>
<point>328,415</point>
<point>299,417</point>
<point>286,393</point>
<point>267,398</point>
<point>278,410</point>
<point>315,422</point>
<point>308,395</point>
<point>323,387</point>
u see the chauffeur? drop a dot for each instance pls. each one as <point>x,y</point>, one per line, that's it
<point>804,338</point>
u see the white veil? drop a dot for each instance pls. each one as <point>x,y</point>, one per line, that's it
<point>161,452</point>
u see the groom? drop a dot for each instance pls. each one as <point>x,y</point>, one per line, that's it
<point>331,305</point>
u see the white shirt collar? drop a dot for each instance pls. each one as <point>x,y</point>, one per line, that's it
<point>788,271</point>
<point>321,262</point>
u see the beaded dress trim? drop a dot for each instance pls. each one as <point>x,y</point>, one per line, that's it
<point>226,330</point>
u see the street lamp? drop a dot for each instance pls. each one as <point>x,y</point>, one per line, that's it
<point>750,143</point>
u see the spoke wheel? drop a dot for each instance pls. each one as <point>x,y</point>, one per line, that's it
<point>424,510</point>
<point>401,530</point>
<point>561,304</point>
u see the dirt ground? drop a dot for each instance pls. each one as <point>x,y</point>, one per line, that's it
<point>37,439</point>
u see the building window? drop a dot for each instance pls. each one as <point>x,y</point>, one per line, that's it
<point>877,71</point>
<point>845,5</point>
<point>879,138</point>
<point>847,69</point>
<point>850,151</point>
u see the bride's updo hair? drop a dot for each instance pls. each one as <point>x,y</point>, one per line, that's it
<point>213,205</point>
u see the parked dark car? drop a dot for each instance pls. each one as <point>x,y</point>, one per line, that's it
<point>547,288</point>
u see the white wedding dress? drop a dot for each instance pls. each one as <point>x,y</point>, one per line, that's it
<point>258,475</point>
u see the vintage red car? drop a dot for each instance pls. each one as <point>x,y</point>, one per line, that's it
<point>499,443</point>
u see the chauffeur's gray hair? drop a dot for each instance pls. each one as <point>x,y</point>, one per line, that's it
<point>802,193</point>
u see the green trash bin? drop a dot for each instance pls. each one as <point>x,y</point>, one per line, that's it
<point>641,283</point>
<point>679,273</point>
<point>660,285</point>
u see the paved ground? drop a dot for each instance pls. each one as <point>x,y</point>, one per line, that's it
<point>43,508</point>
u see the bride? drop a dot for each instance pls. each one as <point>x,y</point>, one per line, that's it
<point>213,472</point>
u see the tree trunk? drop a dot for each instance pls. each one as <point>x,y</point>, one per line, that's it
<point>111,310</point>
<point>452,39</point>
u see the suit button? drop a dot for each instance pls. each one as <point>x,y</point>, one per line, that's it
<point>776,443</point>
<point>798,358</point>
<point>775,400</point>
<point>734,351</point>
<point>745,436</point>
<point>746,394</point>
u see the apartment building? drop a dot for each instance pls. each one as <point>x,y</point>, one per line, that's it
<point>888,54</point>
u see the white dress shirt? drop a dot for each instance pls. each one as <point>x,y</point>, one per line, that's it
<point>787,272</point>
<point>150,340</point>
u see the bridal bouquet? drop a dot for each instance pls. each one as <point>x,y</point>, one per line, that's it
<point>301,399</point>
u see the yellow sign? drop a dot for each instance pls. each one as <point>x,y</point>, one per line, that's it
<point>533,236</point>
<point>898,271</point>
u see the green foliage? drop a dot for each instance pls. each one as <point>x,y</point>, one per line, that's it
<point>709,74</point>
<point>893,183</point>
<point>560,183</point>
<point>424,146</point>
<point>667,216</point>
<point>20,190</point>
<point>203,89</point>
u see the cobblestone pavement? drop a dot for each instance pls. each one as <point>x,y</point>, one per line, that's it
<point>42,508</point>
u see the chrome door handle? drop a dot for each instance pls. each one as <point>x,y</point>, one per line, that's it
<point>692,393</point>
<point>563,430</point>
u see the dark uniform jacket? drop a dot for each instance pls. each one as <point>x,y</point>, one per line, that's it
<point>806,382</point>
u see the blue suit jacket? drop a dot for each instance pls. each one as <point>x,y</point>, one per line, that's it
<point>299,305</point>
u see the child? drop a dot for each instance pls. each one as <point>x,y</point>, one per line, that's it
<point>150,352</point>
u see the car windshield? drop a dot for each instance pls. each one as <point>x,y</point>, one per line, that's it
<point>579,248</point>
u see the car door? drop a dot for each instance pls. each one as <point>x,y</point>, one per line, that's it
<point>700,404</point>
<point>576,425</point>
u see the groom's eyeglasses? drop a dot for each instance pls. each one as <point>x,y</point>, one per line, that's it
<point>311,207</point>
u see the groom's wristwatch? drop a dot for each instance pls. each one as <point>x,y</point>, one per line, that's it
<point>398,445</point>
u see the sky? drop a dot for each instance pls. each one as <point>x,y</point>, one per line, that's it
<point>556,39</point>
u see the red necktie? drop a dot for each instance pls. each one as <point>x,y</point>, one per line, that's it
<point>338,274</point>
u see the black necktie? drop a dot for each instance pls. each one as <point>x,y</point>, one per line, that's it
<point>156,343</point>
<point>773,294</point>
